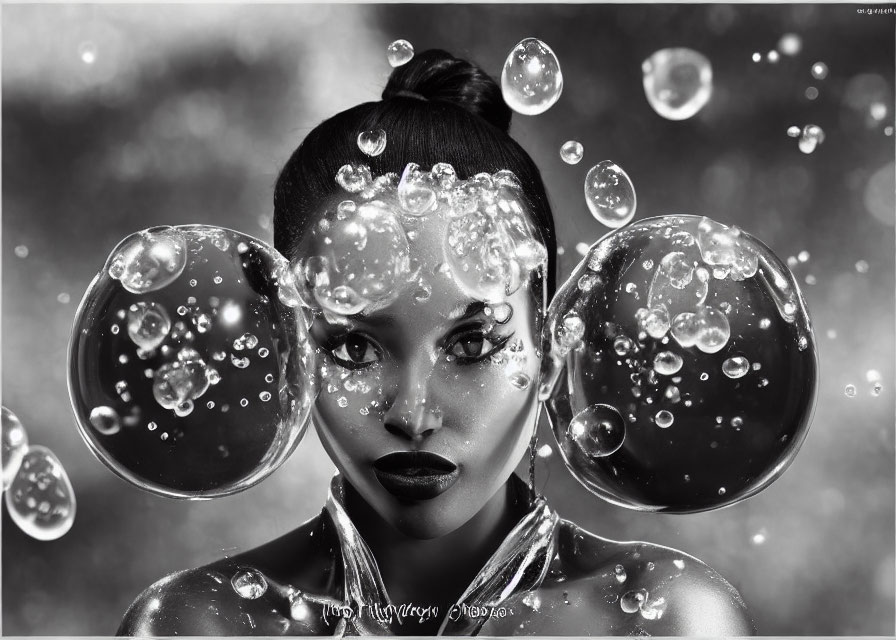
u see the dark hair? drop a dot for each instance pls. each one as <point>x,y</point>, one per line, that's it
<point>435,108</point>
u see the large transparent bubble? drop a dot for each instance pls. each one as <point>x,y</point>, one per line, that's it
<point>531,80</point>
<point>40,499</point>
<point>697,336</point>
<point>200,387</point>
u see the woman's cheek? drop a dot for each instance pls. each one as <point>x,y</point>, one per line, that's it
<point>351,398</point>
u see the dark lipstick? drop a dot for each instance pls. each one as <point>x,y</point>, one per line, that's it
<point>415,475</point>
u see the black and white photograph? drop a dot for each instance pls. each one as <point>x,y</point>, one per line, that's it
<point>448,319</point>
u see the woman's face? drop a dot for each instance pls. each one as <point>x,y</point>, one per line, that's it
<point>441,374</point>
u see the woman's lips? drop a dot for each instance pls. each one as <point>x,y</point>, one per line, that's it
<point>415,475</point>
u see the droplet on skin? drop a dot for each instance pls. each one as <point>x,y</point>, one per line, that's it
<point>571,152</point>
<point>531,80</point>
<point>249,584</point>
<point>610,195</point>
<point>399,53</point>
<point>677,82</point>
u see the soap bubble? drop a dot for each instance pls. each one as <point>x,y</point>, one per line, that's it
<point>399,53</point>
<point>677,82</point>
<point>571,152</point>
<point>596,431</point>
<point>819,71</point>
<point>531,80</point>
<point>40,499</point>
<point>609,194</point>
<point>154,402</point>
<point>15,445</point>
<point>149,260</point>
<point>736,367</point>
<point>752,309</point>
<point>811,137</point>
<point>372,143</point>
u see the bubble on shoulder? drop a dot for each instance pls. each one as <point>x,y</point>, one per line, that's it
<point>191,602</point>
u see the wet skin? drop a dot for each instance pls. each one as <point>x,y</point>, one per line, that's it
<point>431,378</point>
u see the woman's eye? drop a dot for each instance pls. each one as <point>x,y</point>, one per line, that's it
<point>474,346</point>
<point>355,351</point>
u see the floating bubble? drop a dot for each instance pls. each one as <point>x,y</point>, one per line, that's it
<point>372,143</point>
<point>619,572</point>
<point>757,57</point>
<point>664,419</point>
<point>415,191</point>
<point>15,445</point>
<point>40,498</point>
<point>249,584</point>
<point>148,324</point>
<point>850,391</point>
<point>736,367</point>
<point>759,537</point>
<point>531,80</point>
<point>597,431</point>
<point>862,266</point>
<point>811,137</point>
<point>755,312</point>
<point>399,53</point>
<point>353,178</point>
<point>793,131</point>
<point>148,260</point>
<point>163,373</point>
<point>811,93</point>
<point>21,251</point>
<point>790,44</point>
<point>876,389</point>
<point>667,363</point>
<point>571,152</point>
<point>87,52</point>
<point>610,195</point>
<point>677,82</point>
<point>819,71</point>
<point>773,56</point>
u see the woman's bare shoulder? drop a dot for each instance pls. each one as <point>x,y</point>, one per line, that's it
<point>657,589</point>
<point>203,601</point>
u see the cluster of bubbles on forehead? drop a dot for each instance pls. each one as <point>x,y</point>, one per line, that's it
<point>359,257</point>
<point>685,366</point>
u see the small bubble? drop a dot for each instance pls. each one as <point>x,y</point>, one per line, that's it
<point>811,93</point>
<point>249,584</point>
<point>244,402</point>
<point>850,391</point>
<point>399,53</point>
<point>803,256</point>
<point>736,367</point>
<point>571,152</point>
<point>790,44</point>
<point>704,376</point>
<point>765,323</point>
<point>876,389</point>
<point>63,298</point>
<point>217,279</point>
<point>87,52</point>
<point>342,402</point>
<point>619,571</point>
<point>269,378</point>
<point>631,602</point>
<point>862,266</point>
<point>759,537</point>
<point>372,143</point>
<point>667,363</point>
<point>773,56</point>
<point>152,426</point>
<point>819,71</point>
<point>664,419</point>
<point>582,248</point>
<point>193,282</point>
<point>263,352</point>
<point>757,57</point>
<point>737,422</point>
<point>21,251</point>
<point>210,404</point>
<point>794,131</point>
<point>721,491</point>
<point>264,396</point>
<point>679,564</point>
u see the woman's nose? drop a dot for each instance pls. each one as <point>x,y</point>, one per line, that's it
<point>411,415</point>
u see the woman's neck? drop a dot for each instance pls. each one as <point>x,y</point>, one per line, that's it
<point>438,570</point>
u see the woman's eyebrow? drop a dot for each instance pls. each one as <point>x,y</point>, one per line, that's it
<point>462,312</point>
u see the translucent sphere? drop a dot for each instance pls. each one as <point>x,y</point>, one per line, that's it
<point>156,376</point>
<point>677,82</point>
<point>372,143</point>
<point>678,376</point>
<point>15,445</point>
<point>571,152</point>
<point>610,195</point>
<point>40,499</point>
<point>399,53</point>
<point>531,80</point>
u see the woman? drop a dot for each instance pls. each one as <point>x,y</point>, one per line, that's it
<point>427,530</point>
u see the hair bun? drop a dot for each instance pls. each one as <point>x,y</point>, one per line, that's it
<point>437,75</point>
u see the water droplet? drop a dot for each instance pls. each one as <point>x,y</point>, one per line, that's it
<point>610,195</point>
<point>736,367</point>
<point>667,363</point>
<point>619,571</point>
<point>713,329</point>
<point>721,491</point>
<point>850,391</point>
<point>415,193</point>
<point>631,601</point>
<point>249,583</point>
<point>354,178</point>
<point>812,136</point>
<point>819,71</point>
<point>105,420</point>
<point>677,82</point>
<point>598,430</point>
<point>571,152</point>
<point>518,379</point>
<point>531,80</point>
<point>372,143</point>
<point>15,445</point>
<point>40,498</point>
<point>679,564</point>
<point>664,419</point>
<point>544,451</point>
<point>399,53</point>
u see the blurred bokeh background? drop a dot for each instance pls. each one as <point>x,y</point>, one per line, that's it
<point>117,118</point>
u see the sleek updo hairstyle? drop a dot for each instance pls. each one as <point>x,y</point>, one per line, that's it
<point>435,108</point>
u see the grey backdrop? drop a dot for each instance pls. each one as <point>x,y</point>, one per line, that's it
<point>186,115</point>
